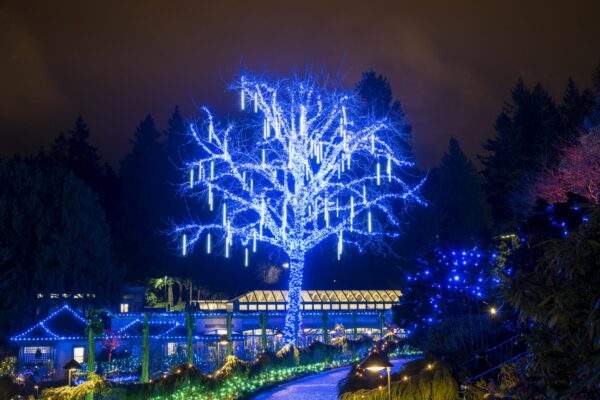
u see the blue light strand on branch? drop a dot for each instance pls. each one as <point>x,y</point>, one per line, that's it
<point>455,274</point>
<point>297,175</point>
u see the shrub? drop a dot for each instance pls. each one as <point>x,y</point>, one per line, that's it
<point>423,384</point>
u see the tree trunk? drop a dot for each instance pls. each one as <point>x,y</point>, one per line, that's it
<point>229,321</point>
<point>293,317</point>
<point>170,297</point>
<point>91,357</point>
<point>263,331</point>
<point>189,324</point>
<point>145,350</point>
<point>325,319</point>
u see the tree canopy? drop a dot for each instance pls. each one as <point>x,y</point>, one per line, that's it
<point>55,239</point>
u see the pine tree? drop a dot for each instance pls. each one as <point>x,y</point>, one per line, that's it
<point>55,239</point>
<point>83,158</point>
<point>528,139</point>
<point>140,242</point>
<point>453,190</point>
<point>596,81</point>
<point>502,168</point>
<point>75,153</point>
<point>593,119</point>
<point>376,91</point>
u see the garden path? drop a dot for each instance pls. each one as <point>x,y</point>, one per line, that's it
<point>321,386</point>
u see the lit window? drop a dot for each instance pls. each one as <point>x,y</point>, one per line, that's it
<point>78,354</point>
<point>326,307</point>
<point>262,307</point>
<point>171,348</point>
<point>243,307</point>
<point>252,307</point>
<point>280,306</point>
<point>124,307</point>
<point>36,355</point>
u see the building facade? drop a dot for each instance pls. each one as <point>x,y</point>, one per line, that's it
<point>241,326</point>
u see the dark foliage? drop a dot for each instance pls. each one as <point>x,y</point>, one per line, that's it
<point>140,215</point>
<point>528,137</point>
<point>456,212</point>
<point>555,288</point>
<point>55,239</point>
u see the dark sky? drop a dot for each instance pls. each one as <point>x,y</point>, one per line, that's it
<point>452,65</point>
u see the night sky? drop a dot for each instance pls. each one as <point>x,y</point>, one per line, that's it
<point>452,65</point>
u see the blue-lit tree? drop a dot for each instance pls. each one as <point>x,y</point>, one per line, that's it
<point>450,301</point>
<point>304,164</point>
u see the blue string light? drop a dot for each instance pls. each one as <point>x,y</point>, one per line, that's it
<point>285,178</point>
<point>51,335</point>
<point>454,275</point>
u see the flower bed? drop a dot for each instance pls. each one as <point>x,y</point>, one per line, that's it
<point>237,378</point>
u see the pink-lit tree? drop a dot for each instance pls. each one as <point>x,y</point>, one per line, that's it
<point>578,172</point>
<point>111,343</point>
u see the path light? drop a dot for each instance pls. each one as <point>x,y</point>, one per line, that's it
<point>493,311</point>
<point>223,340</point>
<point>376,362</point>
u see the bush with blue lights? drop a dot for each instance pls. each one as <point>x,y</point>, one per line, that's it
<point>447,283</point>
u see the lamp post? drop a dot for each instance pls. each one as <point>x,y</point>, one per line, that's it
<point>376,362</point>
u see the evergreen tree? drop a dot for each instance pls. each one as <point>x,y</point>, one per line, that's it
<point>55,239</point>
<point>456,211</point>
<point>174,155</point>
<point>75,153</point>
<point>528,139</point>
<point>575,108</point>
<point>82,157</point>
<point>140,241</point>
<point>376,91</point>
<point>596,81</point>
<point>593,119</point>
<point>502,168</point>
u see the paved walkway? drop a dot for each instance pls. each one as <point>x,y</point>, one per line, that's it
<point>322,386</point>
